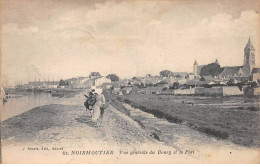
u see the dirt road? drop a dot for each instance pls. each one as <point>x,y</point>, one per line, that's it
<point>63,132</point>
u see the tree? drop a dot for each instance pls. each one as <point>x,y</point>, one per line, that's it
<point>148,75</point>
<point>164,89</point>
<point>166,73</point>
<point>62,82</point>
<point>254,84</point>
<point>113,77</point>
<point>178,76</point>
<point>161,83</point>
<point>94,74</point>
<point>212,69</point>
<point>175,85</point>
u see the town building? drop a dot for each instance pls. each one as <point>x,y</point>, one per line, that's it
<point>45,84</point>
<point>126,90</point>
<point>197,68</point>
<point>255,75</point>
<point>240,73</point>
<point>96,81</point>
<point>101,80</point>
<point>106,86</point>
<point>249,56</point>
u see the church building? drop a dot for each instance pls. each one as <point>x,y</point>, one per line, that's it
<point>244,71</point>
<point>238,72</point>
<point>197,68</point>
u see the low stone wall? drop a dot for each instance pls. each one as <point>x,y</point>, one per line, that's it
<point>199,91</point>
<point>184,91</point>
<point>249,91</point>
<point>231,91</point>
<point>215,91</point>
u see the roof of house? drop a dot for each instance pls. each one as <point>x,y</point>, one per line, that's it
<point>199,68</point>
<point>179,74</point>
<point>208,77</point>
<point>168,91</point>
<point>105,84</point>
<point>90,80</point>
<point>230,71</point>
<point>243,72</point>
<point>169,80</point>
<point>211,83</point>
<point>196,82</point>
<point>98,78</point>
<point>94,74</point>
<point>155,88</point>
<point>162,82</point>
<point>152,80</point>
<point>117,90</point>
<point>255,70</point>
<point>135,88</point>
<point>116,85</point>
<point>127,88</point>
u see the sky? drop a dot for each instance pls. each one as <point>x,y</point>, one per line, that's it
<point>59,39</point>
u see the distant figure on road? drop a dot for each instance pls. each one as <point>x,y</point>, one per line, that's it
<point>99,105</point>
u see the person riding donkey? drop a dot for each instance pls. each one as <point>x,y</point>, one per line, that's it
<point>96,104</point>
<point>99,107</point>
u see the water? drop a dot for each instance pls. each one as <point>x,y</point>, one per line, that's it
<point>17,105</point>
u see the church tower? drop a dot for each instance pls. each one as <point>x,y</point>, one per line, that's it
<point>249,56</point>
<point>195,68</point>
<point>216,62</point>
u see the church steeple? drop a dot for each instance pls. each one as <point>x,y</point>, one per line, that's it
<point>249,45</point>
<point>195,68</point>
<point>216,62</point>
<point>249,56</point>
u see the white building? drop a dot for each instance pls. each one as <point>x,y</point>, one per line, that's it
<point>100,81</point>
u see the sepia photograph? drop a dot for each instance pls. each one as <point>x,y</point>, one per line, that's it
<point>129,81</point>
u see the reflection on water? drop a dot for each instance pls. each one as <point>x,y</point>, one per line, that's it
<point>18,105</point>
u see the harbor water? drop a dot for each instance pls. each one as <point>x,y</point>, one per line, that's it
<point>18,104</point>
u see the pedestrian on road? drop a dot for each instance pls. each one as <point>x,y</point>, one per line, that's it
<point>100,103</point>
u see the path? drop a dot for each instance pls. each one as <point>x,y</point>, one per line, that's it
<point>43,135</point>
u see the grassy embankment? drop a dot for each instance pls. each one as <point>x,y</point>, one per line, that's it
<point>115,103</point>
<point>240,126</point>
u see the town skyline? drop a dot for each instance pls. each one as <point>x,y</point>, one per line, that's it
<point>67,44</point>
<point>42,78</point>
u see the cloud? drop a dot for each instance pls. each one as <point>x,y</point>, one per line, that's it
<point>33,29</point>
<point>223,25</point>
<point>13,28</point>
<point>224,37</point>
<point>128,38</point>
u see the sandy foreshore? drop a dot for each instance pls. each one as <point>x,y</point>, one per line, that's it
<point>63,132</point>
